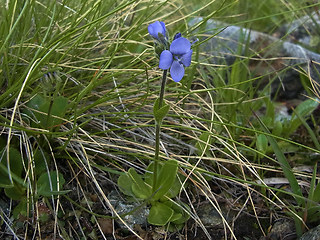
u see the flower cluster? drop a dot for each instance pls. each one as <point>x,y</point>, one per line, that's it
<point>175,57</point>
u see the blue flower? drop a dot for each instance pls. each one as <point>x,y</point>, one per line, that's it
<point>157,28</point>
<point>177,58</point>
<point>178,35</point>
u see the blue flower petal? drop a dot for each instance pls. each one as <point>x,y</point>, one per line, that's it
<point>186,58</point>
<point>176,71</point>
<point>180,46</point>
<point>163,28</point>
<point>155,28</point>
<point>178,35</point>
<point>166,59</point>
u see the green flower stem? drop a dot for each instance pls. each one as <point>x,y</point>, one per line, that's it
<point>158,126</point>
<point>163,85</point>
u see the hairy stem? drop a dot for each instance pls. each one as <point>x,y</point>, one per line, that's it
<point>158,126</point>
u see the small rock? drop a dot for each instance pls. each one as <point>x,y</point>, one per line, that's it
<point>122,206</point>
<point>303,30</point>
<point>209,216</point>
<point>224,47</point>
<point>282,230</point>
<point>313,234</point>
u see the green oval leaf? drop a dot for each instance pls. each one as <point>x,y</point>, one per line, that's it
<point>302,110</point>
<point>16,192</point>
<point>43,106</point>
<point>139,188</point>
<point>160,214</point>
<point>16,167</point>
<point>262,143</point>
<point>165,178</point>
<point>277,128</point>
<point>50,184</point>
<point>181,210</point>
<point>125,184</point>
<point>176,186</point>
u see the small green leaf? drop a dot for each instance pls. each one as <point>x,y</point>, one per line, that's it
<point>125,184</point>
<point>160,113</point>
<point>175,227</point>
<point>16,192</point>
<point>165,178</point>
<point>277,128</point>
<point>160,214</point>
<point>180,209</point>
<point>59,108</point>
<point>139,187</point>
<point>57,111</point>
<point>43,105</point>
<point>268,121</point>
<point>176,186</point>
<point>41,160</point>
<point>16,167</point>
<point>262,143</point>
<point>48,184</point>
<point>156,105</point>
<point>270,112</point>
<point>148,175</point>
<point>35,103</point>
<point>175,217</point>
<point>303,110</point>
<point>21,209</point>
